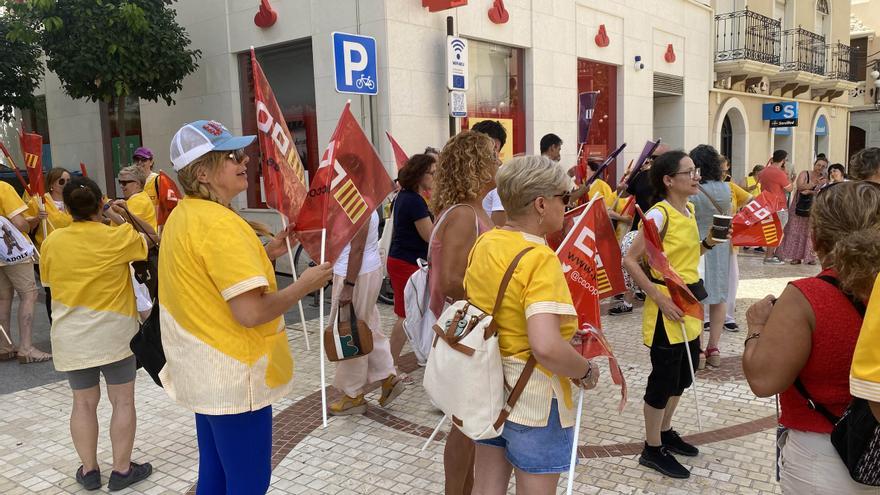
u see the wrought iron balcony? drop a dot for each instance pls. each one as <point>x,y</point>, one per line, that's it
<point>747,35</point>
<point>839,62</point>
<point>804,51</point>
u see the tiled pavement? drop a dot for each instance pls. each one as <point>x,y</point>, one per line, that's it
<point>380,452</point>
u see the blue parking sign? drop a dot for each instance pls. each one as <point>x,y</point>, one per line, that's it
<point>354,64</point>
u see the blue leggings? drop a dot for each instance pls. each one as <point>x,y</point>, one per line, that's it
<point>235,453</point>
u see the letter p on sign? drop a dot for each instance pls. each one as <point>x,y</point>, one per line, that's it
<point>354,64</point>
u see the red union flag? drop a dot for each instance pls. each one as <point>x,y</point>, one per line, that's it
<point>583,268</point>
<point>32,150</point>
<point>757,223</point>
<point>349,184</point>
<point>400,156</point>
<point>283,173</point>
<point>678,290</point>
<point>167,195</point>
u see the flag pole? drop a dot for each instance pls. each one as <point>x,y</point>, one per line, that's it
<point>687,351</point>
<point>321,333</point>
<point>434,433</point>
<point>42,208</point>
<point>574,447</point>
<point>302,315</point>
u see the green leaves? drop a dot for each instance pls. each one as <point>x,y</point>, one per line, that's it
<point>20,67</point>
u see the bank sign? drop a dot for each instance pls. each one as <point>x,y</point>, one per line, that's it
<point>781,114</point>
<point>354,64</point>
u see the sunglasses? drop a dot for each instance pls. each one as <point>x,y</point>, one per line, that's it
<point>62,181</point>
<point>237,156</point>
<point>566,198</point>
<point>124,183</point>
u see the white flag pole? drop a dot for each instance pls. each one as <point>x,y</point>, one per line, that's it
<point>302,315</point>
<point>42,208</point>
<point>574,447</point>
<point>434,433</point>
<point>321,334</point>
<point>687,351</point>
<point>6,336</point>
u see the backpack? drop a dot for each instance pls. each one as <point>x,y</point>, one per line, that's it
<point>856,434</point>
<point>419,323</point>
<point>464,377</point>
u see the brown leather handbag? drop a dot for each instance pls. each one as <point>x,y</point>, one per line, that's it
<point>347,339</point>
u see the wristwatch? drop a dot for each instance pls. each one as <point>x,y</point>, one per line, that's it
<point>706,245</point>
<point>349,283</point>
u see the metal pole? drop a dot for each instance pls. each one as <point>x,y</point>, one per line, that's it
<point>450,30</point>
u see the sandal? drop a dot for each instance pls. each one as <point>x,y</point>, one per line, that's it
<point>7,355</point>
<point>348,405</point>
<point>701,365</point>
<point>795,262</point>
<point>713,357</point>
<point>33,356</point>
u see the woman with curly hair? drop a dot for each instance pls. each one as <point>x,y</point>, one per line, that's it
<point>803,343</point>
<point>465,174</point>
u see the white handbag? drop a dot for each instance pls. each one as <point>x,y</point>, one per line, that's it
<point>464,377</point>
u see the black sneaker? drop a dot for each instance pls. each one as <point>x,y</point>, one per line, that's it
<point>672,441</point>
<point>731,326</point>
<point>658,458</point>
<point>136,472</point>
<point>621,309</point>
<point>706,326</point>
<point>641,296</point>
<point>91,480</point>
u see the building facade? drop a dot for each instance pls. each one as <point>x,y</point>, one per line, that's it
<point>864,128</point>
<point>649,61</point>
<point>775,52</point>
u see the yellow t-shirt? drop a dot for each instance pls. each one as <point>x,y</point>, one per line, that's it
<point>58,219</point>
<point>537,287</point>
<point>94,315</point>
<point>602,187</point>
<point>740,196</point>
<point>681,243</point>
<point>150,189</point>
<point>11,203</point>
<point>140,205</point>
<point>864,378</point>
<point>215,365</point>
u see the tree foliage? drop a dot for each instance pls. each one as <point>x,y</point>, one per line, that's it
<point>20,67</point>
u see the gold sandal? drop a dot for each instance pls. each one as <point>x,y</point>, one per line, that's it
<point>29,358</point>
<point>348,405</point>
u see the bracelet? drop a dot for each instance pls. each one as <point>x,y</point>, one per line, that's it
<point>750,337</point>
<point>706,245</point>
<point>350,284</point>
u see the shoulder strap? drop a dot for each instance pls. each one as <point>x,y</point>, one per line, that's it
<point>443,217</point>
<point>502,288</point>
<point>815,406</point>
<point>712,200</point>
<point>858,305</point>
<point>516,391</point>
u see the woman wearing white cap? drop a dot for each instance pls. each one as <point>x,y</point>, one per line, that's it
<point>221,313</point>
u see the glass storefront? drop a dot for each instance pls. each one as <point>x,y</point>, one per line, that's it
<point>602,137</point>
<point>290,72</point>
<point>495,92</point>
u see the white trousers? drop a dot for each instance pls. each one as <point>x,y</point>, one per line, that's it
<point>732,283</point>
<point>353,375</point>
<point>809,465</point>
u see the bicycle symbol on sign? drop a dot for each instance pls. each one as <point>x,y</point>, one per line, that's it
<point>364,81</point>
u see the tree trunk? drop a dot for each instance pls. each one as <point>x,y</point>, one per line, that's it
<point>120,126</point>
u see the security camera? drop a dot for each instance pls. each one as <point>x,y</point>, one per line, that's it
<point>638,63</point>
<point>875,74</point>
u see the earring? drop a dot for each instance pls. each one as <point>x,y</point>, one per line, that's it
<point>541,219</point>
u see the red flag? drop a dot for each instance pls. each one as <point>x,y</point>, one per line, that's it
<point>349,184</point>
<point>757,223</point>
<point>678,290</point>
<point>283,173</point>
<point>582,265</point>
<point>82,169</point>
<point>32,150</point>
<point>11,164</point>
<point>400,156</point>
<point>167,195</point>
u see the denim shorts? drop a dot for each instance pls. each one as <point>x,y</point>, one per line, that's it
<point>536,449</point>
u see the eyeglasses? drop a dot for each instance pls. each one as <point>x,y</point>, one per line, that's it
<point>694,173</point>
<point>237,156</point>
<point>124,183</point>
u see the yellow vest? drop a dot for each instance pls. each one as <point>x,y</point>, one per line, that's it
<point>681,243</point>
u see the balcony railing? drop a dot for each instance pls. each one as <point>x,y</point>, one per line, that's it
<point>803,51</point>
<point>840,62</point>
<point>747,35</point>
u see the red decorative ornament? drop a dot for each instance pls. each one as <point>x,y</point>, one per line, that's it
<point>438,5</point>
<point>602,39</point>
<point>498,14</point>
<point>266,16</point>
<point>670,54</point>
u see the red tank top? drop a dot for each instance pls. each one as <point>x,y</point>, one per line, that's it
<point>826,374</point>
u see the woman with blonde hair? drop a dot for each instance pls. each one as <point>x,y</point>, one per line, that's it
<point>801,345</point>
<point>221,311</point>
<point>536,319</point>
<point>465,174</point>
<point>133,179</point>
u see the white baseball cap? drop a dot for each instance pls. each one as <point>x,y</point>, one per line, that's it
<point>195,139</point>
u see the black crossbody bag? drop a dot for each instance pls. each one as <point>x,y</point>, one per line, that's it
<point>856,434</point>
